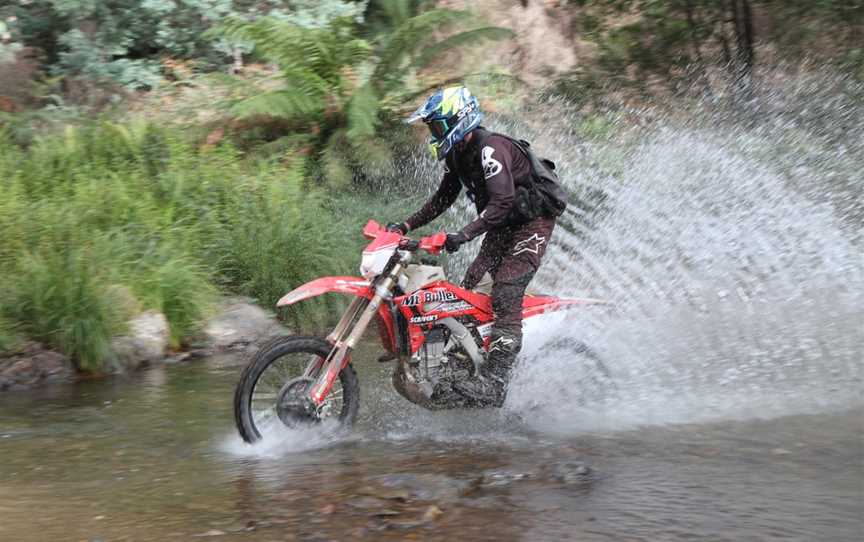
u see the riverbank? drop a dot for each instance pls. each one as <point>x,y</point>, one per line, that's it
<point>105,223</point>
<point>238,325</point>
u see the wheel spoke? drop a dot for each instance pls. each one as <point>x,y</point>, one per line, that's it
<point>275,393</point>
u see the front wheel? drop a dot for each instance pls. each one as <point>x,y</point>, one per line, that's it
<point>272,387</point>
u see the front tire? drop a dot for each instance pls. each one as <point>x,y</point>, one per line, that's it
<point>263,382</point>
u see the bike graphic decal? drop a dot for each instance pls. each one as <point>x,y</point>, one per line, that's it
<point>455,307</point>
<point>491,166</point>
<point>428,297</point>
<point>423,319</point>
<point>500,343</point>
<point>532,244</point>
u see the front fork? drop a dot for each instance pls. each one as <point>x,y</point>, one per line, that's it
<point>347,333</point>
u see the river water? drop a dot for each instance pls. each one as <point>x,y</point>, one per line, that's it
<point>155,457</point>
<point>729,243</point>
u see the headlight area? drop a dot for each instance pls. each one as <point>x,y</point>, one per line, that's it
<point>373,263</point>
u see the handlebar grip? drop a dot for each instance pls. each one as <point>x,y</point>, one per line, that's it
<point>409,245</point>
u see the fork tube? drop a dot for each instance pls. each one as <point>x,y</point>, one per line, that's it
<point>339,355</point>
<point>313,368</point>
<point>356,306</point>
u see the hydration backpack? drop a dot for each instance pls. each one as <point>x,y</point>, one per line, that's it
<point>543,196</point>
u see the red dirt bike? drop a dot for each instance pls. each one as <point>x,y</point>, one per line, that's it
<point>436,332</point>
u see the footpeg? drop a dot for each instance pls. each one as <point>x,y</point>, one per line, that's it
<point>388,356</point>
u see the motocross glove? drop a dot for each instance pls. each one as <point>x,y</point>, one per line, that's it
<point>401,227</point>
<point>454,241</point>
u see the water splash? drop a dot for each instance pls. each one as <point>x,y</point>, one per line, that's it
<point>280,441</point>
<point>728,240</point>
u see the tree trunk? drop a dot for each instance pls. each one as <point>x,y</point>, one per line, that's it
<point>695,45</point>
<point>745,55</point>
<point>237,67</point>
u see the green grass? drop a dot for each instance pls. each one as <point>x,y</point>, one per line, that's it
<point>56,298</point>
<point>104,220</point>
<point>8,337</point>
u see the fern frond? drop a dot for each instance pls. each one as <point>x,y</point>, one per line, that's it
<point>306,82</point>
<point>363,113</point>
<point>281,103</point>
<point>462,39</point>
<point>403,103</point>
<point>334,162</point>
<point>410,36</point>
<point>396,11</point>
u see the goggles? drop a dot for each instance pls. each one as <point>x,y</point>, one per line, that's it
<point>438,128</point>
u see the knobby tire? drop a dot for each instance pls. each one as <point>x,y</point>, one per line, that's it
<point>268,354</point>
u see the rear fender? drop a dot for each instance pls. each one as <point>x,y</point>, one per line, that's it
<point>345,285</point>
<point>534,305</point>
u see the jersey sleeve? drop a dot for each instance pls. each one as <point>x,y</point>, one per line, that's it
<point>443,198</point>
<point>497,161</point>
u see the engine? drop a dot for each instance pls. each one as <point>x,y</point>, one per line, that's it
<point>449,353</point>
<point>431,362</point>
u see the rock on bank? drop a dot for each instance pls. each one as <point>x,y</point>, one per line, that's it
<point>237,325</point>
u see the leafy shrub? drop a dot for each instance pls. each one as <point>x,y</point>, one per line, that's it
<point>133,209</point>
<point>57,298</point>
<point>179,288</point>
<point>123,41</point>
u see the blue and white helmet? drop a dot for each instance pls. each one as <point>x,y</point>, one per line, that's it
<point>450,114</point>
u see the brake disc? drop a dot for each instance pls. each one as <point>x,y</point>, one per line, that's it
<point>293,405</point>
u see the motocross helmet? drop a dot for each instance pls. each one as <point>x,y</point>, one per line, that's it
<point>450,114</point>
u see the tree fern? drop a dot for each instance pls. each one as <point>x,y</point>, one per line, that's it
<point>406,39</point>
<point>287,103</point>
<point>334,78</point>
<point>363,113</point>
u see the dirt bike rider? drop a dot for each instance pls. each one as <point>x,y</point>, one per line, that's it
<point>491,168</point>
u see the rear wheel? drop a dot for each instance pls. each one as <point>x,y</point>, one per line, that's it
<point>271,393</point>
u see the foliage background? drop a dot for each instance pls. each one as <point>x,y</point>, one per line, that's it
<point>161,153</point>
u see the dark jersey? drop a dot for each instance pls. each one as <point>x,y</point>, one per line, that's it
<point>489,167</point>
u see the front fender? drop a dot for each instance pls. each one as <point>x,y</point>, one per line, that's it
<point>347,285</point>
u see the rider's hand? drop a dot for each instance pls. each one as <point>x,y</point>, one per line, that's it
<point>454,241</point>
<point>401,227</point>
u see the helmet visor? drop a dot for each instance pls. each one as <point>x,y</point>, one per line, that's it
<point>438,128</point>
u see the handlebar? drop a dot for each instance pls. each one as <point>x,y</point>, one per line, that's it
<point>431,244</point>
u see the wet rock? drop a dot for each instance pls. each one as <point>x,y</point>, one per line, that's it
<point>247,527</point>
<point>431,514</point>
<point>32,365</point>
<point>423,487</point>
<point>240,324</point>
<point>572,472</point>
<point>366,502</point>
<point>501,478</point>
<point>211,532</point>
<point>146,342</point>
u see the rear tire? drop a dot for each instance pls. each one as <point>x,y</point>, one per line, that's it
<point>277,360</point>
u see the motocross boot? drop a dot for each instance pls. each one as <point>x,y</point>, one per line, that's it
<point>489,388</point>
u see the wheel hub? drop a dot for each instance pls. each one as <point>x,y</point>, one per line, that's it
<point>293,405</point>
